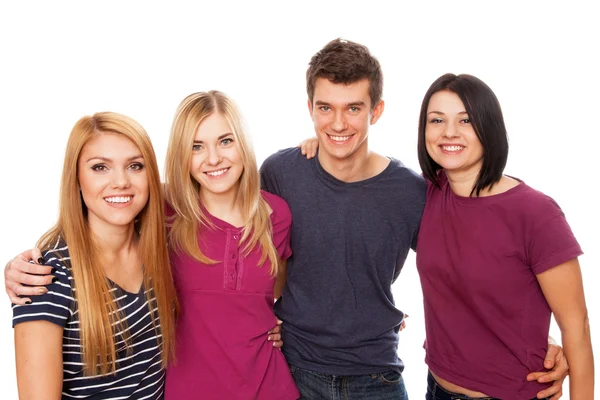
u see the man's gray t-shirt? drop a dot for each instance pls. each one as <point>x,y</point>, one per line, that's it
<point>349,243</point>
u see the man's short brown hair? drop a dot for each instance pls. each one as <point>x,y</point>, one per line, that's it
<point>343,61</point>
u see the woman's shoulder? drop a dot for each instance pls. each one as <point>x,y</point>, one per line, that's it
<point>536,202</point>
<point>279,207</point>
<point>59,258</point>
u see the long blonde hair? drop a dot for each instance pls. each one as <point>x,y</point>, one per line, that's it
<point>183,191</point>
<point>97,308</point>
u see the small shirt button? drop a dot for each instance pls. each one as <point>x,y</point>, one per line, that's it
<point>235,237</point>
<point>233,256</point>
<point>232,276</point>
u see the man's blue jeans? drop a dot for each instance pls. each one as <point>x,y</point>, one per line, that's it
<point>387,385</point>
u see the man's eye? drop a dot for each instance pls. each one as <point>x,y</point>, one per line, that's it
<point>324,108</point>
<point>354,109</point>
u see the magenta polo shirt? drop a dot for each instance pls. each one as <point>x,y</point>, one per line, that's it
<point>222,350</point>
<point>486,317</point>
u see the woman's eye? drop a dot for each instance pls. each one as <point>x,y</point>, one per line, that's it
<point>436,121</point>
<point>465,121</point>
<point>137,166</point>
<point>196,147</point>
<point>227,141</point>
<point>99,167</point>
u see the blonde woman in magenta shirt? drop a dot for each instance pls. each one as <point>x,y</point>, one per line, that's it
<point>228,243</point>
<point>496,258</point>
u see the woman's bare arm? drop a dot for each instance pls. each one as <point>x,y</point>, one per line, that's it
<point>563,289</point>
<point>38,353</point>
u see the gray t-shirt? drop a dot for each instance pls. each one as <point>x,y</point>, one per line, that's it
<point>349,243</point>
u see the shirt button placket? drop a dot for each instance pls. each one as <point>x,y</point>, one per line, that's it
<point>233,274</point>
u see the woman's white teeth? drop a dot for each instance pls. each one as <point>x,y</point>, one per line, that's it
<point>339,138</point>
<point>118,199</point>
<point>217,173</point>
<point>452,148</point>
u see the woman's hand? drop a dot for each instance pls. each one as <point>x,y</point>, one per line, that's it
<point>26,269</point>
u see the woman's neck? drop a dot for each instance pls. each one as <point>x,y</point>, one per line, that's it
<point>462,183</point>
<point>112,240</point>
<point>225,206</point>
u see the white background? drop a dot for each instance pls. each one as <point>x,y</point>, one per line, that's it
<point>62,60</point>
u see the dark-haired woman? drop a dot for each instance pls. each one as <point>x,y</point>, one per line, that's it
<point>496,258</point>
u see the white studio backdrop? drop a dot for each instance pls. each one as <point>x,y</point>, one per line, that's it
<point>62,60</point>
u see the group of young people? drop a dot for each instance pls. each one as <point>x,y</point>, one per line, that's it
<point>145,290</point>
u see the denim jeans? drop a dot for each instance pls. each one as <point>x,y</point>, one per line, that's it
<point>436,392</point>
<point>387,385</point>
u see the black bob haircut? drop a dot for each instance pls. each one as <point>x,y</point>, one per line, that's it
<point>485,114</point>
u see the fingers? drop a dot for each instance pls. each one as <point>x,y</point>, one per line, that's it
<point>22,263</point>
<point>274,335</point>
<point>277,328</point>
<point>402,326</point>
<point>550,376</point>
<point>37,288</point>
<point>309,147</point>
<point>19,272</point>
<point>37,255</point>
<point>32,254</point>
<point>533,376</point>
<point>28,274</point>
<point>553,355</point>
<point>559,371</point>
<point>16,299</point>
<point>553,392</point>
<point>557,374</point>
<point>276,339</point>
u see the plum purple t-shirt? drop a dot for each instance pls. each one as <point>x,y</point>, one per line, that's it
<point>222,350</point>
<point>486,317</point>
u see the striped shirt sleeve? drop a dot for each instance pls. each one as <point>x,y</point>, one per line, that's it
<point>57,304</point>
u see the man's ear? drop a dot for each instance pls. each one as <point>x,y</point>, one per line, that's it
<point>377,111</point>
<point>309,103</point>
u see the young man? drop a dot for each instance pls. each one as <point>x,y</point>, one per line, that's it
<point>355,214</point>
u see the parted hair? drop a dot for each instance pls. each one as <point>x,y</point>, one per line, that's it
<point>98,314</point>
<point>485,113</point>
<point>344,61</point>
<point>183,191</point>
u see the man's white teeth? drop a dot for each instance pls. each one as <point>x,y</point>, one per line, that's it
<point>339,138</point>
<point>217,173</point>
<point>452,148</point>
<point>118,199</point>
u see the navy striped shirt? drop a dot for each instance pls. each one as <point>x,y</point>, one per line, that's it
<point>138,375</point>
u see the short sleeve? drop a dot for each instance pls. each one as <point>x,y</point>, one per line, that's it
<point>552,242</point>
<point>282,223</point>
<point>415,239</point>
<point>57,304</point>
<point>423,188</point>
<point>269,175</point>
